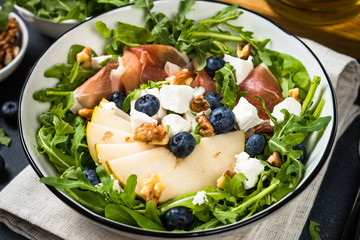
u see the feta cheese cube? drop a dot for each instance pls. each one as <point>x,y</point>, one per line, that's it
<point>108,106</point>
<point>251,168</point>
<point>290,104</point>
<point>95,61</point>
<point>199,91</point>
<point>241,157</point>
<point>177,124</point>
<point>242,67</point>
<point>176,98</point>
<point>190,118</point>
<point>246,115</point>
<point>200,198</point>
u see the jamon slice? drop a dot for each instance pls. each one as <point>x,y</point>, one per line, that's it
<point>203,79</point>
<point>99,86</point>
<point>153,59</point>
<point>261,82</point>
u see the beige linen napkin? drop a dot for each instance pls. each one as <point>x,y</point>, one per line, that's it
<point>30,209</point>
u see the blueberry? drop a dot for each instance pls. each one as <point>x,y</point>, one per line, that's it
<point>118,98</point>
<point>148,104</point>
<point>92,176</point>
<point>2,164</point>
<point>301,147</point>
<point>213,98</point>
<point>9,111</point>
<point>178,218</point>
<point>222,119</point>
<point>255,145</point>
<point>182,144</point>
<point>213,64</point>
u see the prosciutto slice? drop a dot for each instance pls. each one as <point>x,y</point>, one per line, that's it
<point>97,87</point>
<point>261,82</point>
<point>153,59</point>
<point>203,79</point>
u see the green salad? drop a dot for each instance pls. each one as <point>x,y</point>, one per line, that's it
<point>235,194</point>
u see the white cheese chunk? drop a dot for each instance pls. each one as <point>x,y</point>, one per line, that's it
<point>95,61</point>
<point>139,118</point>
<point>190,118</point>
<point>242,67</point>
<point>116,185</point>
<point>176,98</point>
<point>200,198</point>
<point>241,157</point>
<point>290,104</point>
<point>246,115</point>
<point>251,168</point>
<point>171,68</point>
<point>108,106</point>
<point>177,124</point>
<point>199,91</point>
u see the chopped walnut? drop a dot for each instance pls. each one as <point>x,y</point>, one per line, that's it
<point>86,113</point>
<point>84,57</point>
<point>152,134</point>
<point>199,104</point>
<point>243,52</point>
<point>295,93</point>
<point>8,43</point>
<point>274,160</point>
<point>182,77</point>
<point>220,183</point>
<point>206,129</point>
<point>151,188</point>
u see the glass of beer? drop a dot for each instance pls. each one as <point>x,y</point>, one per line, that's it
<point>317,12</point>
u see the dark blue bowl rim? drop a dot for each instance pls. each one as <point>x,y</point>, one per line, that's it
<point>221,230</point>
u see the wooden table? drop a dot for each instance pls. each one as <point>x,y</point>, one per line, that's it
<point>343,38</point>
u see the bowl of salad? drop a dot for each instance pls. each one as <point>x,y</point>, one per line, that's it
<point>53,18</point>
<point>161,119</point>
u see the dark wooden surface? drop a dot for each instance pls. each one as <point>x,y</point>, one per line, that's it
<point>332,205</point>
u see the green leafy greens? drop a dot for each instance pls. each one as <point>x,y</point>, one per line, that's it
<point>4,140</point>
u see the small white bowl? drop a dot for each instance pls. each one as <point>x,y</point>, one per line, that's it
<point>46,27</point>
<point>24,36</point>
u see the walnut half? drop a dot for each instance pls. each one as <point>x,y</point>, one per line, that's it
<point>220,183</point>
<point>84,57</point>
<point>206,129</point>
<point>152,134</point>
<point>151,188</point>
<point>199,104</point>
<point>243,52</point>
<point>182,77</point>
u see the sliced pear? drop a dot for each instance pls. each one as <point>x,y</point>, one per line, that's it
<point>105,152</point>
<point>96,134</point>
<point>118,111</point>
<point>212,157</point>
<point>102,117</point>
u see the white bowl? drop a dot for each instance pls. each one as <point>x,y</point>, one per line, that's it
<point>46,27</point>
<point>24,36</point>
<point>318,144</point>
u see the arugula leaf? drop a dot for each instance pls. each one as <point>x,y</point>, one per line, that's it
<point>5,10</point>
<point>152,213</point>
<point>4,140</point>
<point>92,200</point>
<point>310,95</point>
<point>125,215</point>
<point>314,230</point>
<point>234,186</point>
<point>196,134</point>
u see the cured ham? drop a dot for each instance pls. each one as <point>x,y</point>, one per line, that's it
<point>203,79</point>
<point>100,85</point>
<point>261,82</point>
<point>153,59</point>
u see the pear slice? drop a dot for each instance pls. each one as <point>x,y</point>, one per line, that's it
<point>211,157</point>
<point>96,133</point>
<point>102,117</point>
<point>105,152</point>
<point>118,111</point>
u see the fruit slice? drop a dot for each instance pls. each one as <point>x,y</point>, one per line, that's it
<point>105,152</point>
<point>102,117</point>
<point>212,157</point>
<point>118,111</point>
<point>96,133</point>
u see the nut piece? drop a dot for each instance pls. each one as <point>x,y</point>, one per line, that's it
<point>294,93</point>
<point>243,52</point>
<point>182,77</point>
<point>8,49</point>
<point>84,57</point>
<point>86,113</point>
<point>151,188</point>
<point>206,129</point>
<point>220,183</point>
<point>152,134</point>
<point>274,160</point>
<point>199,104</point>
